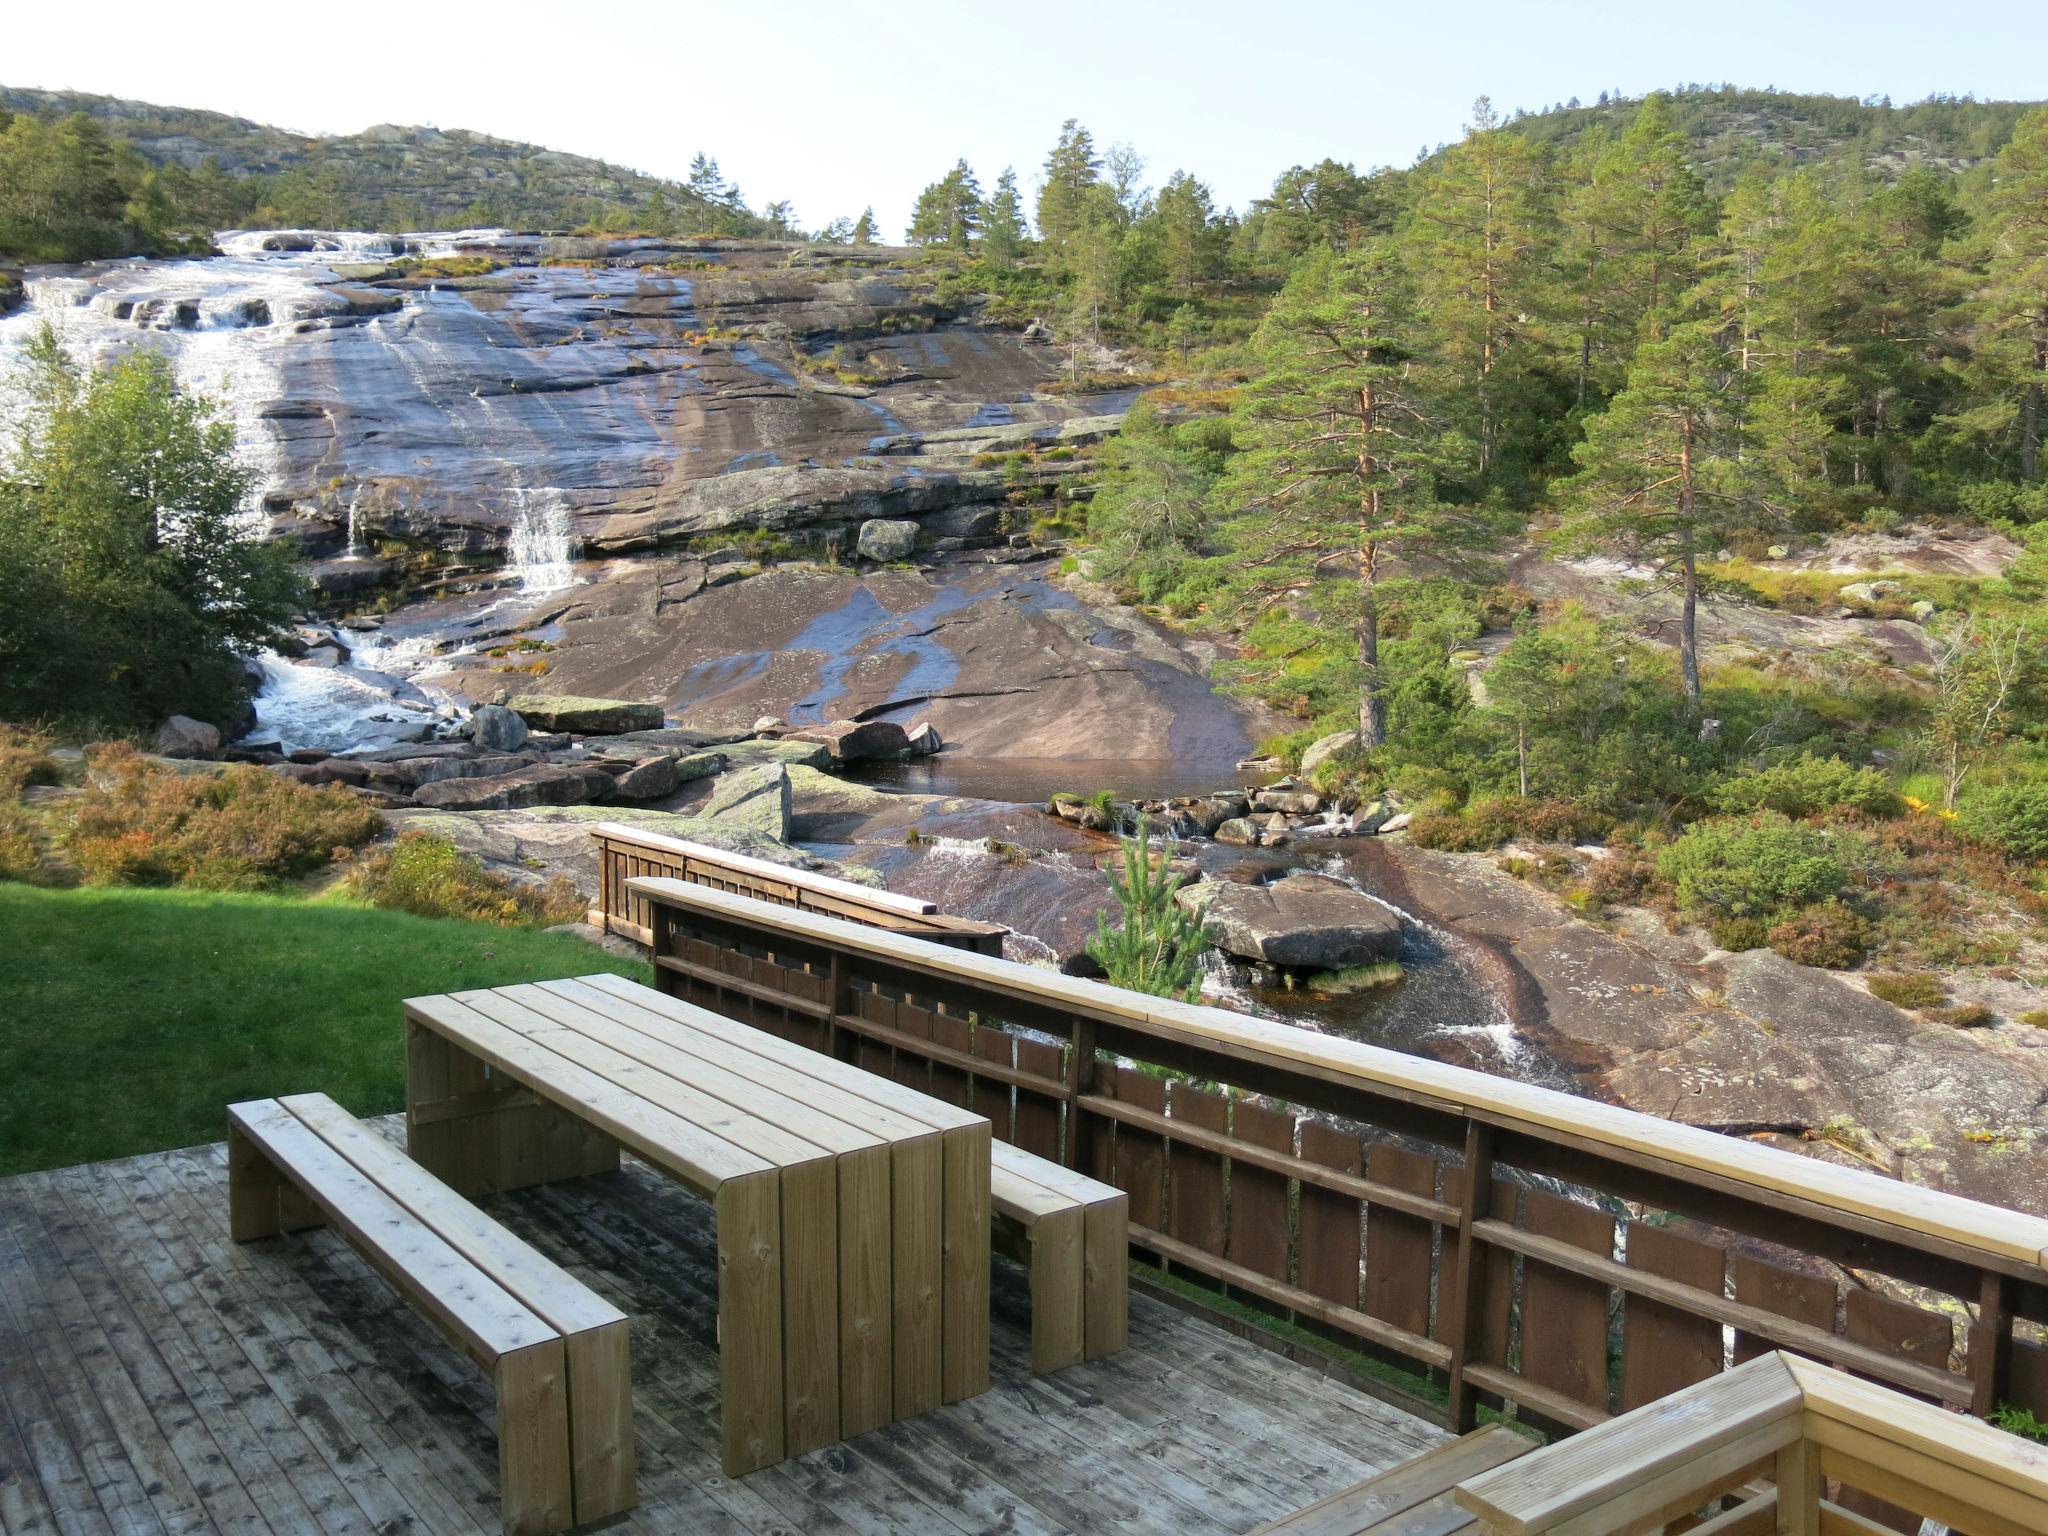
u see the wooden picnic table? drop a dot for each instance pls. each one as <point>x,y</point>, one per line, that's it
<point>852,1213</point>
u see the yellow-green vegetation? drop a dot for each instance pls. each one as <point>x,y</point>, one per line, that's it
<point>1906,990</point>
<point>443,266</point>
<point>429,876</point>
<point>185,1001</point>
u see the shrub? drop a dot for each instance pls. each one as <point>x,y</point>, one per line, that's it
<point>1627,874</point>
<point>24,760</point>
<point>1481,825</point>
<point>1753,868</point>
<point>1908,989</point>
<point>429,876</point>
<point>1829,935</point>
<point>238,829</point>
<point>21,852</point>
<point>2037,1017</point>
<point>1735,933</point>
<point>1808,786</point>
<point>1963,1016</point>
<point>2013,818</point>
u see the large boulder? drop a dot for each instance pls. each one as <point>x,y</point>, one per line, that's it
<point>1290,801</point>
<point>649,779</point>
<point>585,717</point>
<point>1236,830</point>
<point>753,799</point>
<point>495,728</point>
<point>182,736</point>
<point>539,784</point>
<point>1323,748</point>
<point>1301,923</point>
<point>855,741</point>
<point>883,539</point>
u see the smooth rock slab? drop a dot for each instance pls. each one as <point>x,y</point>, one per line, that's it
<point>1304,923</point>
<point>585,717</point>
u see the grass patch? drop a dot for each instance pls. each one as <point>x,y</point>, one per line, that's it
<point>137,1016</point>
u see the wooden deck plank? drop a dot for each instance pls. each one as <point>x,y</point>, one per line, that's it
<point>319,1385</point>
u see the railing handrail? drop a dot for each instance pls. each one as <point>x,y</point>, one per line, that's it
<point>803,879</point>
<point>1794,1418</point>
<point>2004,1239</point>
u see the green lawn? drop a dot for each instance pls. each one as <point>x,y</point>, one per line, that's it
<point>130,1018</point>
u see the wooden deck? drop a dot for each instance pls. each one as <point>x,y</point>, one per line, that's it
<point>156,1377</point>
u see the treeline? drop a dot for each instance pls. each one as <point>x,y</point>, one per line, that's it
<point>71,189</point>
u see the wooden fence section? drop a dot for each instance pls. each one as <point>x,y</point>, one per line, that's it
<point>625,854</point>
<point>1569,1256</point>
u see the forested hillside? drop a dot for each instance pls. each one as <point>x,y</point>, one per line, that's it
<point>84,176</point>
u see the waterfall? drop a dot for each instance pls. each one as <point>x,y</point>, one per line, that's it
<point>354,551</point>
<point>543,540</point>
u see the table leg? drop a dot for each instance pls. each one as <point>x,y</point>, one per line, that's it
<point>966,1261</point>
<point>480,1132</point>
<point>749,1212</point>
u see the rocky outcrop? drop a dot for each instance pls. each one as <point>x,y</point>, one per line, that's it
<point>1302,922</point>
<point>855,741</point>
<point>1324,748</point>
<point>885,539</point>
<point>583,716</point>
<point>537,784</point>
<point>753,799</point>
<point>182,736</point>
<point>495,728</point>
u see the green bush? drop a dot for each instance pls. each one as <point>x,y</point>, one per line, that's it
<point>1759,867</point>
<point>1829,935</point>
<point>237,829</point>
<point>1808,786</point>
<point>1964,1016</point>
<point>2013,817</point>
<point>1908,989</point>
<point>429,876</point>
<point>1739,933</point>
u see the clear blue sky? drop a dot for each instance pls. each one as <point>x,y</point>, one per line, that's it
<point>836,103</point>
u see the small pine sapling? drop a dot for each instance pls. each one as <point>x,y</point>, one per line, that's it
<point>1158,946</point>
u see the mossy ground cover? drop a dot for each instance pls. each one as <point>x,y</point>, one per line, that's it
<point>133,1016</point>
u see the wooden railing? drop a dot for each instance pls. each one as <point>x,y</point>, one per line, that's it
<point>1792,1446</point>
<point>625,853</point>
<point>1569,1256</point>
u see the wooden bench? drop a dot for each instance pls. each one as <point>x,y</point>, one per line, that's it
<point>1413,1499</point>
<point>1071,1232</point>
<point>556,1352</point>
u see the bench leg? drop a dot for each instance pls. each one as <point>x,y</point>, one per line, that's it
<point>533,1441</point>
<point>601,1422</point>
<point>1106,1272</point>
<point>1057,1290</point>
<point>262,1202</point>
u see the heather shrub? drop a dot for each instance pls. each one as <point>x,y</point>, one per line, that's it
<point>1829,935</point>
<point>2036,1017</point>
<point>235,830</point>
<point>1911,989</point>
<point>1808,786</point>
<point>24,760</point>
<point>1755,868</point>
<point>429,876</point>
<point>1736,933</point>
<point>1964,1016</point>
<point>1489,822</point>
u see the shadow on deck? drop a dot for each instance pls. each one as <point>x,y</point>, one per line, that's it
<point>155,1376</point>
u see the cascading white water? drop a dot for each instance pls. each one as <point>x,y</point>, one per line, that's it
<point>543,542</point>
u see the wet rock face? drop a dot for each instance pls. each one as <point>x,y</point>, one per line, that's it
<point>1302,922</point>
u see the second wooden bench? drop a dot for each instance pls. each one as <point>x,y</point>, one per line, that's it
<point>555,1350</point>
<point>1072,1233</point>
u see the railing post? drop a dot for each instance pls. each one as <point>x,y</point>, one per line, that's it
<point>1078,1144</point>
<point>1465,1305</point>
<point>1990,1359</point>
<point>839,994</point>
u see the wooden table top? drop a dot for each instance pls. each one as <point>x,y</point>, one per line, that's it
<point>702,1097</point>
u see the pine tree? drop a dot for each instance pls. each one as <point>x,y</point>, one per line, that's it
<point>1325,204</point>
<point>1157,947</point>
<point>705,181</point>
<point>1071,171</point>
<point>864,227</point>
<point>1477,240</point>
<point>1664,476</point>
<point>948,211</point>
<point>2013,320</point>
<point>1630,248</point>
<point>1186,216</point>
<point>1003,235</point>
<point>1345,452</point>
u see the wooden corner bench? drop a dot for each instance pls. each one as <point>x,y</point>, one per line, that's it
<point>1071,1233</point>
<point>556,1351</point>
<point>1415,1498</point>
